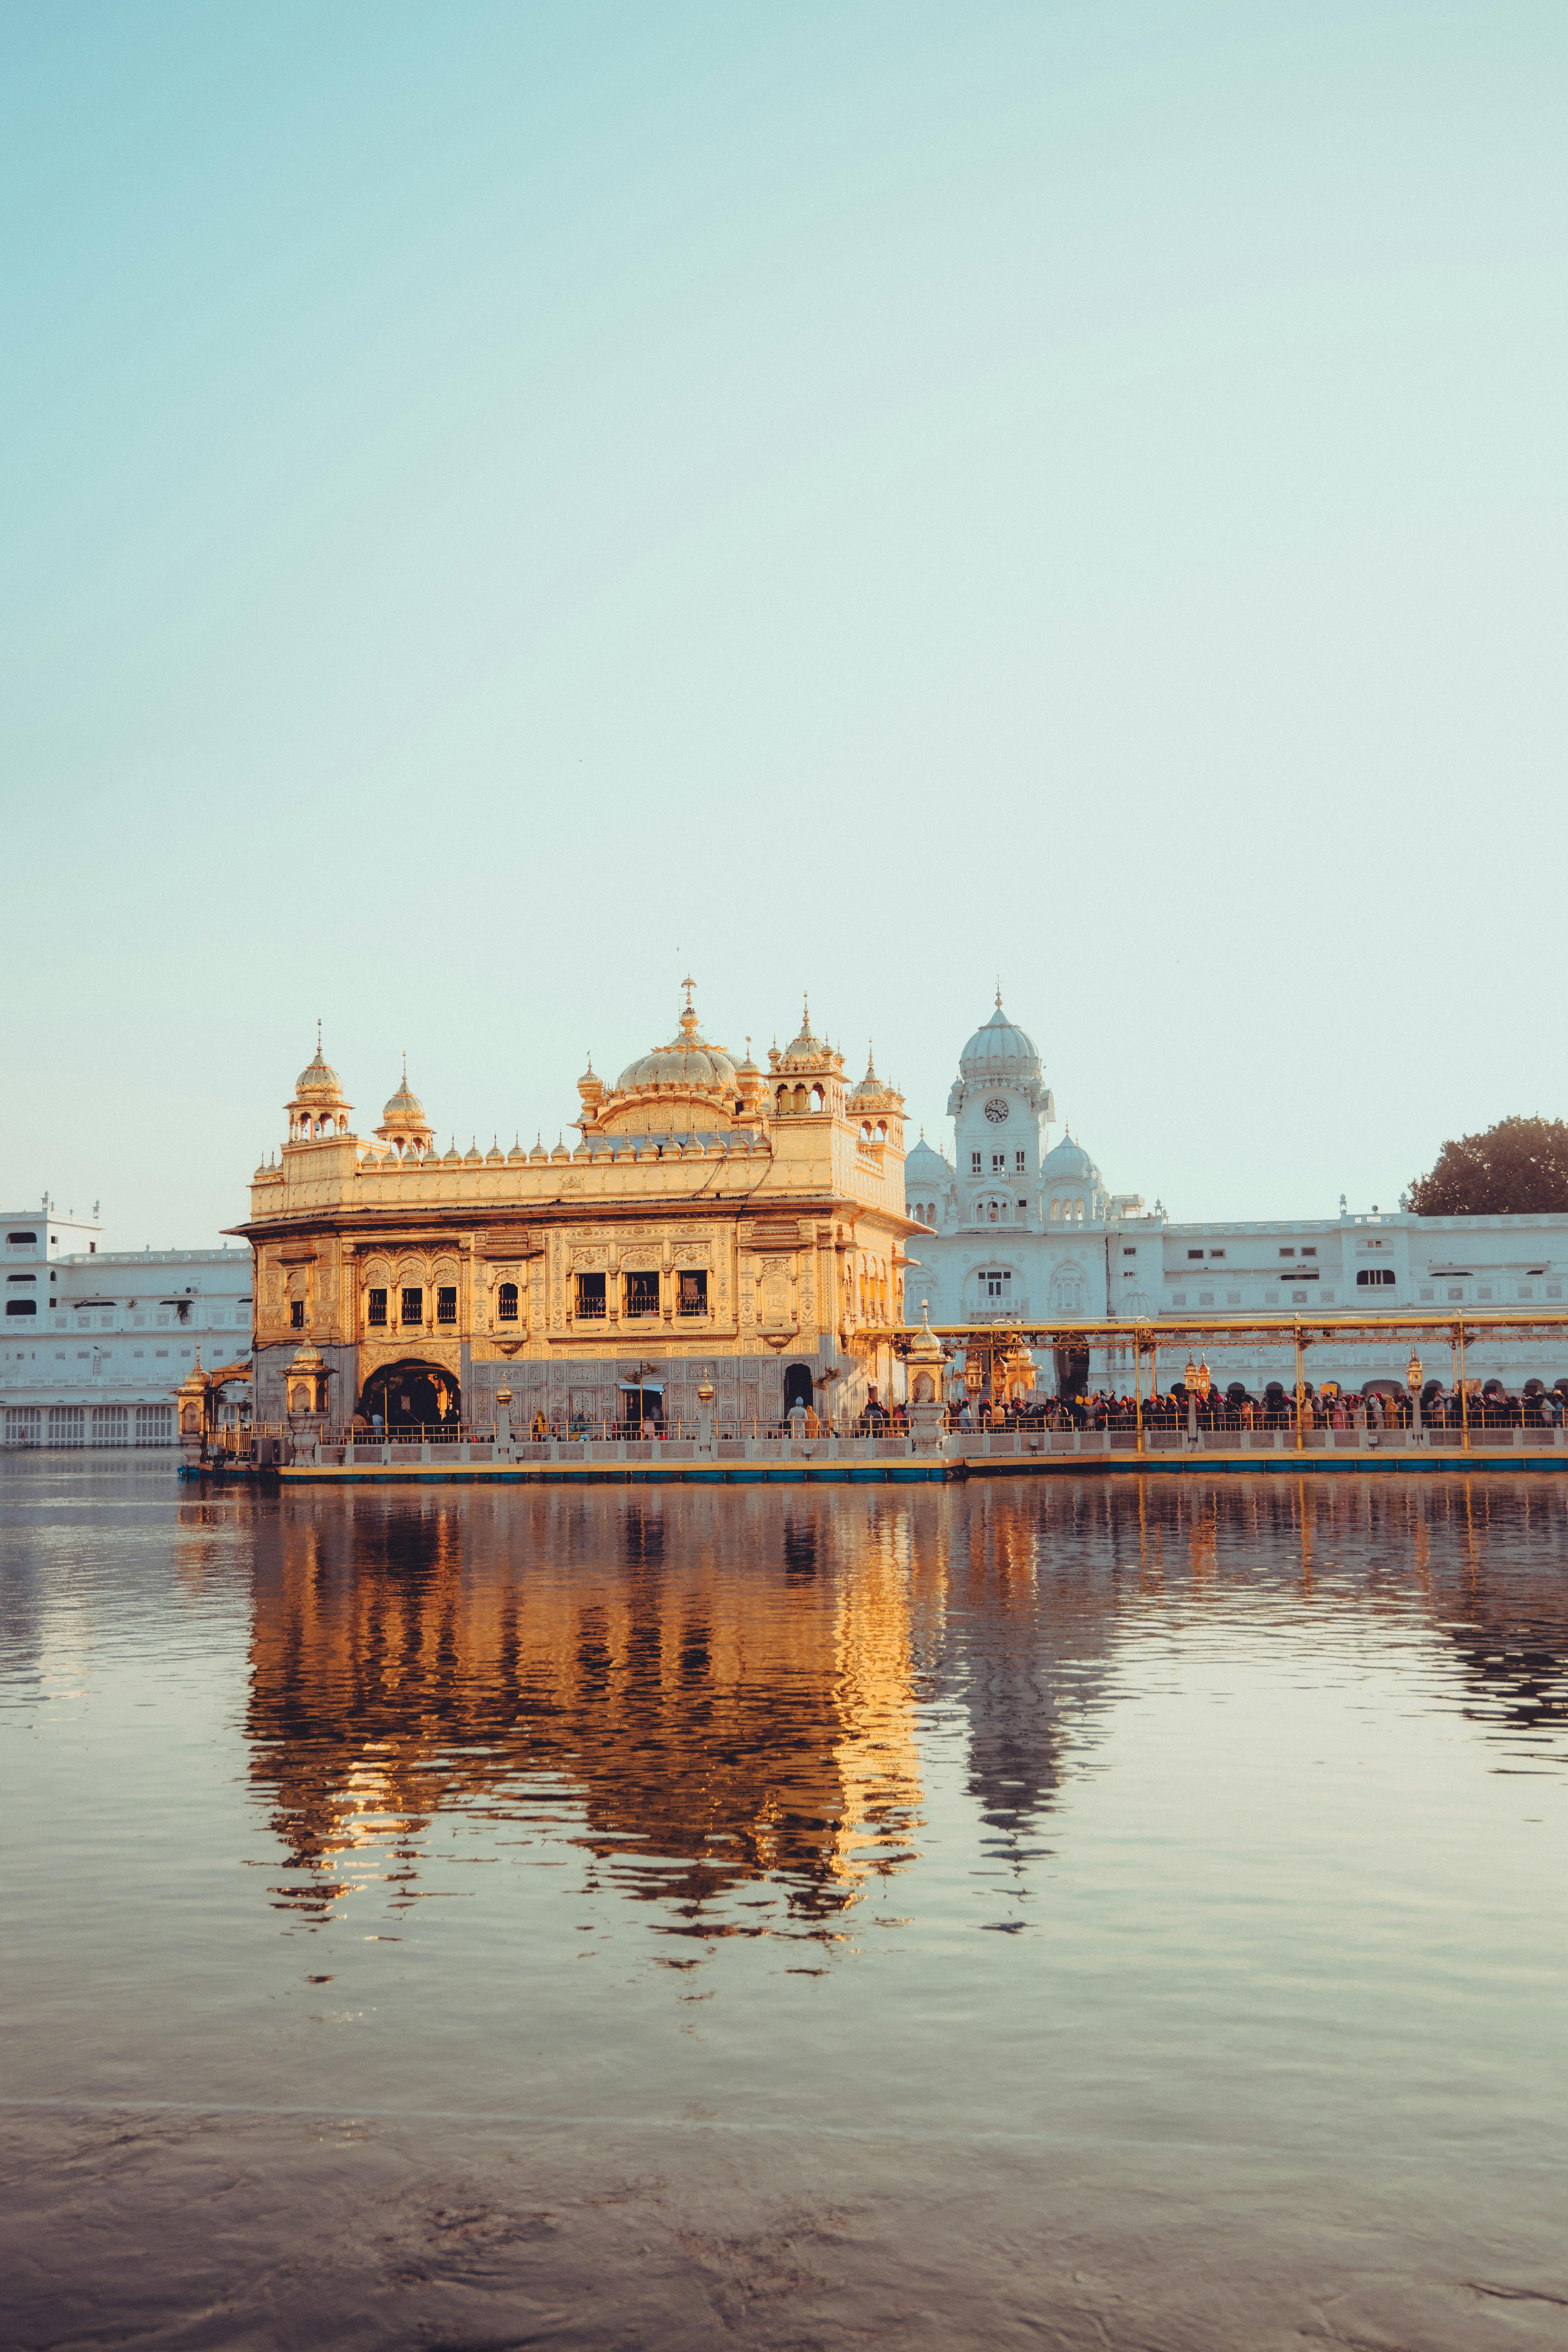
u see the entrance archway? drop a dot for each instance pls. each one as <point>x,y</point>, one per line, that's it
<point>642,1408</point>
<point>412,1395</point>
<point>798,1386</point>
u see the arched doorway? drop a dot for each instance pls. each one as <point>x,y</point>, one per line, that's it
<point>1072,1371</point>
<point>642,1408</point>
<point>412,1396</point>
<point>799,1388</point>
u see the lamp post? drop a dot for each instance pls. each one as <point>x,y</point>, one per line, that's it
<point>1413,1382</point>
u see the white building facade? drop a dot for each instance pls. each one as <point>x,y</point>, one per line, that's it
<point>93,1345</point>
<point>1022,1231</point>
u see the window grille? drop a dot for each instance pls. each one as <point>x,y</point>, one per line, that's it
<point>413,1305</point>
<point>590,1296</point>
<point>506,1303</point>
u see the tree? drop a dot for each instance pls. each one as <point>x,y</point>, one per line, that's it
<point>1518,1168</point>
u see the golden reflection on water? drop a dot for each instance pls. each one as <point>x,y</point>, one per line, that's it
<point>709,1693</point>
<point>472,1652</point>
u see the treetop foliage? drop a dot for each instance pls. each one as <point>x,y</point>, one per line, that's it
<point>1518,1168</point>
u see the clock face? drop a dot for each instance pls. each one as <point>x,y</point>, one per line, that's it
<point>997,1111</point>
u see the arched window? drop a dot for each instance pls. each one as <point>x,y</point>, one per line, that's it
<point>784,1100</point>
<point>816,1098</point>
<point>1056,1211</point>
<point>881,1130</point>
<point>1077,1211</point>
<point>507,1302</point>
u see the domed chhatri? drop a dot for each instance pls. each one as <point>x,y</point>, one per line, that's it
<point>318,1108</point>
<point>319,1077</point>
<point>404,1108</point>
<point>404,1125</point>
<point>805,1047</point>
<point>869,1089</point>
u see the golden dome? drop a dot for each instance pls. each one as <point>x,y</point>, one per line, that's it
<point>404,1108</point>
<point>319,1079</point>
<point>689,1063</point>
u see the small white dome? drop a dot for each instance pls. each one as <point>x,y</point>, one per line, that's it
<point>1069,1163</point>
<point>927,1163</point>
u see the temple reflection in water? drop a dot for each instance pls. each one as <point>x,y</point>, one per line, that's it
<point>703,1691</point>
<point>698,1720</point>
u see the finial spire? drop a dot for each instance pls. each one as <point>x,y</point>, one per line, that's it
<point>998,992</point>
<point>318,1036</point>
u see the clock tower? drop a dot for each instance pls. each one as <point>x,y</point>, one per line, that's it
<point>1000,1107</point>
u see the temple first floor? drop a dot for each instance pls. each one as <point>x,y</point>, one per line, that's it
<point>431,1382</point>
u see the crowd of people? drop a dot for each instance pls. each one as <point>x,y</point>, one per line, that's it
<point>1380,1405</point>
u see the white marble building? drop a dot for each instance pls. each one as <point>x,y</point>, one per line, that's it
<point>93,1344</point>
<point>1022,1230</point>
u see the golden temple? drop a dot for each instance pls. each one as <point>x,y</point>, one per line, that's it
<point>715,1222</point>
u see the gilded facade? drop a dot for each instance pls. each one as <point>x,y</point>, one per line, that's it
<point>715,1221</point>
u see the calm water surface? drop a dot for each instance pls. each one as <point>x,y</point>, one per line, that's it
<point>1115,1915</point>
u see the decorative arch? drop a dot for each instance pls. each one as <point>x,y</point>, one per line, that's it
<point>412,1394</point>
<point>1068,1289</point>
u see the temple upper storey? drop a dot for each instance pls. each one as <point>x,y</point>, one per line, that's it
<point>798,1126</point>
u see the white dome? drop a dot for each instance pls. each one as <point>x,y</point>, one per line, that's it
<point>926,1161</point>
<point>999,1051</point>
<point>1069,1163</point>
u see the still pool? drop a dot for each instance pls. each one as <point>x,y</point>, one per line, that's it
<point>1116,1915</point>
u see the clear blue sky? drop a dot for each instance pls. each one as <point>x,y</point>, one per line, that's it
<point>503,504</point>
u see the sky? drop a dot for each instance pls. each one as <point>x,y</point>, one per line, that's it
<point>502,506</point>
